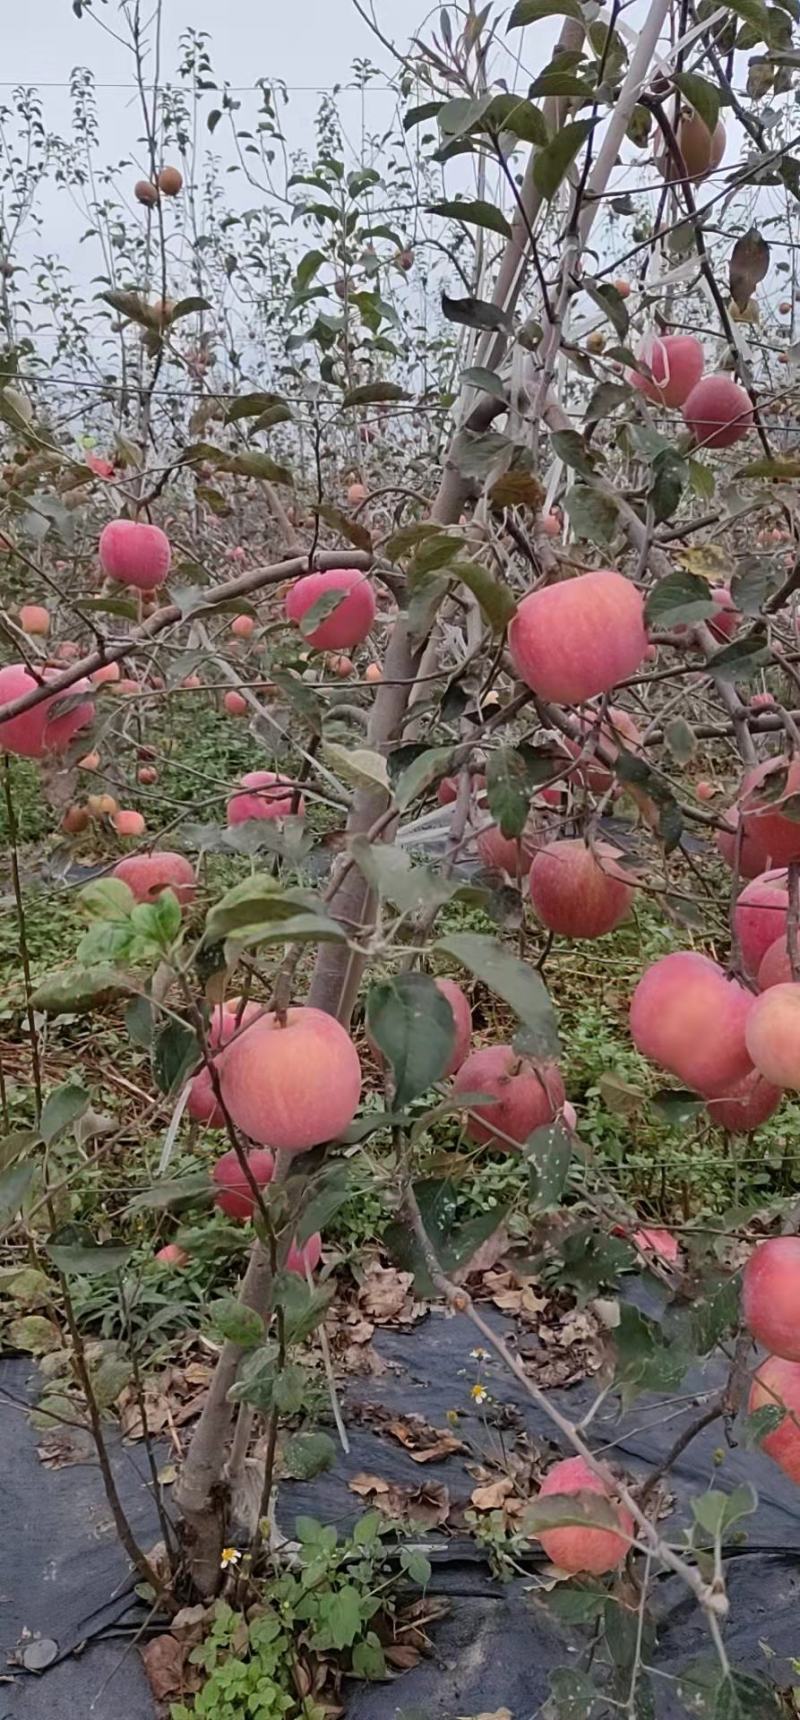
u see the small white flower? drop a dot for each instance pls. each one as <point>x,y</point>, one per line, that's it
<point>479,1355</point>
<point>479,1394</point>
<point>230,1556</point>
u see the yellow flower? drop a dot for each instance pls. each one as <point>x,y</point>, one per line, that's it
<point>479,1394</point>
<point>230,1556</point>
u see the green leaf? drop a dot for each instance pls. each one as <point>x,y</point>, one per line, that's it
<point>570,447</point>
<point>139,1022</point>
<point>681,740</point>
<point>372,393</point>
<point>753,584</point>
<point>645,1362</point>
<point>304,1307</point>
<point>89,1261</point>
<point>592,514</point>
<point>610,301</point>
<point>61,1109</point>
<point>255,464</point>
<point>749,263</point>
<point>416,1566</point>
<point>132,306</point>
<point>251,406</point>
<point>680,597</point>
<point>669,476</point>
<point>677,1108</point>
<point>784,469</point>
<point>508,790</point>
<point>520,986</point>
<point>238,1324</point>
<point>548,1154</point>
<point>572,1694</point>
<point>358,765</point>
<point>343,1616</point>
<point>412,1024</point>
<point>187,307</point>
<point>107,899</point>
<point>495,599</point>
<point>176,1052</point>
<point>369,1660</point>
<point>476,214</point>
<point>15,1182</point>
<point>753,1428</point>
<point>551,164</point>
<point>79,989</point>
<point>419,776</point>
<point>306,269</point>
<point>434,553</point>
<point>306,1455</point>
<point>561,1510</point>
<point>35,1334</point>
<point>462,114</point>
<point>475,313</point>
<point>741,659</point>
<point>715,1511</point>
<point>391,872</point>
<point>418,115</point>
<point>177,1191</point>
<point>512,113</point>
<point>708,1694</point>
<point>453,1244</point>
<point>355,533</point>
<point>486,380</point>
<point>701,95</point>
<point>528,11</point>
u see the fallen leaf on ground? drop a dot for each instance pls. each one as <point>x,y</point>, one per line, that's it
<point>423,1443</point>
<point>492,1495</point>
<point>384,1294</point>
<point>64,1446</point>
<point>498,1714</point>
<point>164,1662</point>
<point>428,1505</point>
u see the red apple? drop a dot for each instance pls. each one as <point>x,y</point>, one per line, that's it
<point>686,1016</point>
<point>525,1095</point>
<point>266,795</point>
<point>577,891</point>
<point>349,623</point>
<point>674,366</point>
<point>148,874</point>
<point>234,1194</point>
<point>718,412</point>
<point>773,1035</point>
<point>292,1085</point>
<point>771,1296</point>
<point>579,637</point>
<point>578,1548</point>
<point>135,553</point>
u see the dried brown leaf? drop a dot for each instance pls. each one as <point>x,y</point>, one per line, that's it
<point>385,1293</point>
<point>493,1495</point>
<point>748,265</point>
<point>164,1660</point>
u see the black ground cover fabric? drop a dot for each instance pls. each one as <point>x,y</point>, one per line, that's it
<point>64,1577</point>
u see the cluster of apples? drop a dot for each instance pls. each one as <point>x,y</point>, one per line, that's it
<point>771,1310</point>
<point>716,410</point>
